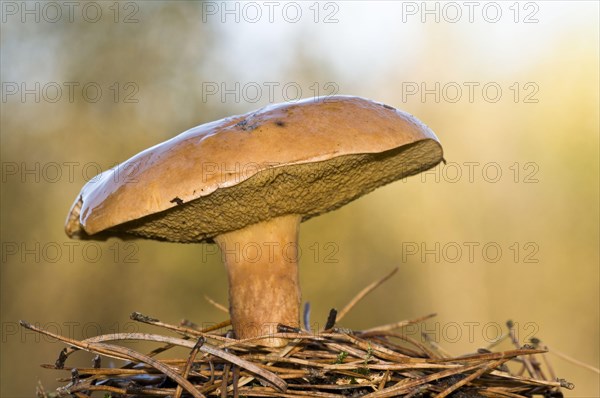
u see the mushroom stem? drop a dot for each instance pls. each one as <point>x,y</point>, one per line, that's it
<point>262,265</point>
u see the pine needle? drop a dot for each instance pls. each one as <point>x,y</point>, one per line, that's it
<point>363,293</point>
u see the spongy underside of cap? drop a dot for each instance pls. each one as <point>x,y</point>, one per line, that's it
<point>306,189</point>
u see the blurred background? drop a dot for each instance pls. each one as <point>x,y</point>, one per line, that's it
<point>507,229</point>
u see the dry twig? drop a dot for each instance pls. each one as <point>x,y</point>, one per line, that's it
<point>378,362</point>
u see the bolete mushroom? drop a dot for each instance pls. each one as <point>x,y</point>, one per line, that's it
<point>246,182</point>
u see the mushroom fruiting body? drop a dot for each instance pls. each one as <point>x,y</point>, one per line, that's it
<point>250,180</point>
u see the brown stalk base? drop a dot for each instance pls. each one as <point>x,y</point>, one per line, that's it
<point>380,362</point>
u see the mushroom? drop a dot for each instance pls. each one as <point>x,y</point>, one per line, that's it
<point>246,182</point>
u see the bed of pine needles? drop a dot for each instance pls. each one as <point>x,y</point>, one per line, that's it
<point>334,362</point>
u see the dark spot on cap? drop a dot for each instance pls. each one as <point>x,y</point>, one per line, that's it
<point>176,200</point>
<point>246,126</point>
<point>280,123</point>
<point>389,107</point>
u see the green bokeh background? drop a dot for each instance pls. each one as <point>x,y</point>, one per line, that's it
<point>176,50</point>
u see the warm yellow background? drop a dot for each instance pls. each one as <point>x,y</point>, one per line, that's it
<point>370,51</point>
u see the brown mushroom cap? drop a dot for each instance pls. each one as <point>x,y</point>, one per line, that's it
<point>304,158</point>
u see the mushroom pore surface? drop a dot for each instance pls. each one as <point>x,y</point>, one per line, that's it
<point>304,189</point>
